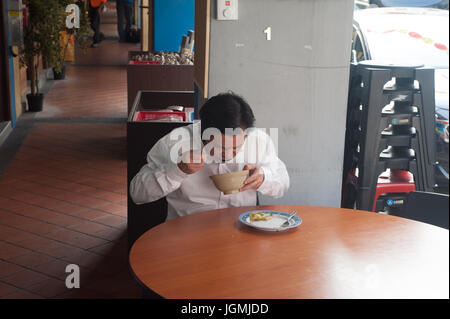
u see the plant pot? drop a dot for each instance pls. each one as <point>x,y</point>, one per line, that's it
<point>59,75</point>
<point>35,102</point>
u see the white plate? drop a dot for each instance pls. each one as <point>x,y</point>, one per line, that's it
<point>273,224</point>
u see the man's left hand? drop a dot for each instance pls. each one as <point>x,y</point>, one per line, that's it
<point>255,178</point>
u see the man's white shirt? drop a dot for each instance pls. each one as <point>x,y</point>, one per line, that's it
<point>192,193</point>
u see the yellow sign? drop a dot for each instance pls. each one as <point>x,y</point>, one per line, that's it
<point>14,14</point>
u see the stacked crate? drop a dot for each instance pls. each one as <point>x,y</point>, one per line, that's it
<point>390,127</point>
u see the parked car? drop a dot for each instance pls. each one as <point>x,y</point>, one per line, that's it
<point>416,36</point>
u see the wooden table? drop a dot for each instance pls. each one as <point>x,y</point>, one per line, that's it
<point>334,253</point>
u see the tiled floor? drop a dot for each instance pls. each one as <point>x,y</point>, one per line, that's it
<point>88,92</point>
<point>63,201</point>
<point>63,197</point>
<point>109,53</point>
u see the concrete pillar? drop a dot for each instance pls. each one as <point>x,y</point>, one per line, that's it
<point>296,82</point>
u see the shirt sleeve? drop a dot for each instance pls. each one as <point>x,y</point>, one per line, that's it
<point>276,178</point>
<point>159,177</point>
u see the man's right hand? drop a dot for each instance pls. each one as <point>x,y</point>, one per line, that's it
<point>191,162</point>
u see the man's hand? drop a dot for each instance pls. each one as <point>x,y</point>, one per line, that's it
<point>255,178</point>
<point>191,162</point>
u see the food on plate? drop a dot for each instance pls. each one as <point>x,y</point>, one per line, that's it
<point>260,216</point>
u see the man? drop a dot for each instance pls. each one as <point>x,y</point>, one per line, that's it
<point>180,168</point>
<point>95,9</point>
<point>124,8</point>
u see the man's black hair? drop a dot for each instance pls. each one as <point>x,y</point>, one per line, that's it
<point>226,110</point>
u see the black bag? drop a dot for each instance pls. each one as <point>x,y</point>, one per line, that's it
<point>134,35</point>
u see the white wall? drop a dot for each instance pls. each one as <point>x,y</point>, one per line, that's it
<point>296,82</point>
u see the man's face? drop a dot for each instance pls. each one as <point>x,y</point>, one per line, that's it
<point>228,146</point>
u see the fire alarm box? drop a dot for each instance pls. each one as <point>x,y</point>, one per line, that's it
<point>15,25</point>
<point>227,9</point>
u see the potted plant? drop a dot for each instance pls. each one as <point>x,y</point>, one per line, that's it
<point>41,32</point>
<point>73,36</point>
